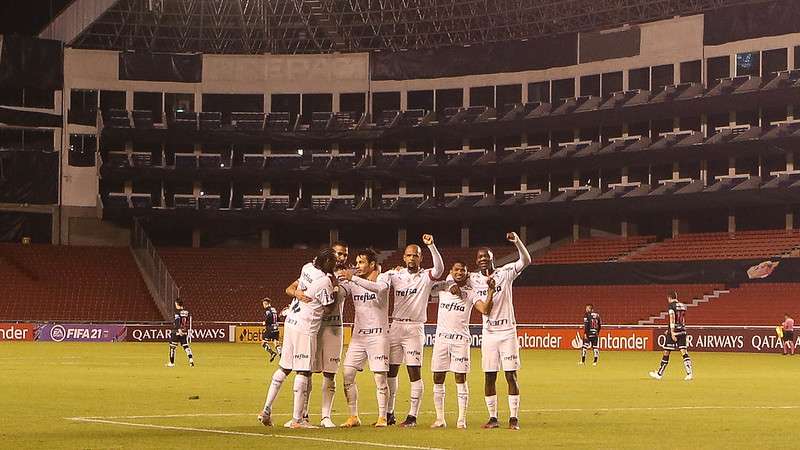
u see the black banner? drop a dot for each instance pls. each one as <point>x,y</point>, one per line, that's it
<point>28,176</point>
<point>536,54</point>
<point>741,22</point>
<point>728,271</point>
<point>182,68</point>
<point>599,46</point>
<point>27,62</point>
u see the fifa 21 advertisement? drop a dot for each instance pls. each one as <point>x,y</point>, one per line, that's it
<point>56,332</point>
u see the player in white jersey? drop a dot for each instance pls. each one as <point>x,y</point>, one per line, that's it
<point>302,324</point>
<point>499,345</point>
<point>451,347</point>
<point>369,291</point>
<point>411,287</point>
<point>329,343</point>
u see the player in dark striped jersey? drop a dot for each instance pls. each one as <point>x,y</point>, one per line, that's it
<point>675,338</point>
<point>271,332</point>
<point>591,333</point>
<point>181,327</point>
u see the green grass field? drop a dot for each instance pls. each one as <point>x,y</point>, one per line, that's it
<point>736,401</point>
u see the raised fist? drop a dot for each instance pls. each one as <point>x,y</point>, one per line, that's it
<point>427,239</point>
<point>512,237</point>
<point>490,283</point>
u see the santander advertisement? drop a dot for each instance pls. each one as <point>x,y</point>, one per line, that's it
<point>17,331</point>
<point>639,339</point>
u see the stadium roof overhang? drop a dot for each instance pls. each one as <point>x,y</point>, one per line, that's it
<point>328,26</point>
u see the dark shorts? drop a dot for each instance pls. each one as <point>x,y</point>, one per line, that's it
<point>271,335</point>
<point>679,343</point>
<point>178,340</point>
<point>788,336</point>
<point>591,341</point>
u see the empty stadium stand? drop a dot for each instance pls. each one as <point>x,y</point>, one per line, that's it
<point>739,245</point>
<point>227,284</point>
<point>594,250</point>
<point>749,304</point>
<point>43,282</point>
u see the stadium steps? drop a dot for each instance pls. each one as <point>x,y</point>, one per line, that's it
<point>661,317</point>
<point>642,249</point>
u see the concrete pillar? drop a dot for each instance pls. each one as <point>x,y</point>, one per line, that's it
<point>576,230</point>
<point>402,238</point>
<point>676,171</point>
<point>196,234</point>
<point>790,161</point>
<point>333,236</point>
<point>789,220</point>
<point>464,236</point>
<point>676,226</point>
<point>624,231</point>
<point>731,222</point>
<point>523,233</point>
<point>265,243</point>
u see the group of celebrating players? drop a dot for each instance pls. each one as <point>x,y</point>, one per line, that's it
<point>313,332</point>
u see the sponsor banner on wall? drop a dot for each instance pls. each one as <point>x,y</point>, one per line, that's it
<point>638,339</point>
<point>80,333</point>
<point>17,331</point>
<point>248,335</point>
<point>724,339</point>
<point>163,333</point>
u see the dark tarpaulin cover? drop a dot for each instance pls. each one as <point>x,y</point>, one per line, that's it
<point>177,67</point>
<point>741,22</point>
<point>517,56</point>
<point>16,225</point>
<point>27,62</point>
<point>28,176</point>
<point>11,116</point>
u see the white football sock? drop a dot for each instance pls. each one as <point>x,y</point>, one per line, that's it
<point>463,401</point>
<point>328,391</point>
<point>307,400</point>
<point>438,401</point>
<point>513,405</point>
<point>274,388</point>
<point>351,390</point>
<point>491,405</point>
<point>300,394</point>
<point>392,383</point>
<point>382,393</point>
<point>417,388</point>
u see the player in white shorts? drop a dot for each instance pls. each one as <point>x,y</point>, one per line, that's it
<point>329,343</point>
<point>451,347</point>
<point>500,347</point>
<point>302,324</point>
<point>369,291</point>
<point>411,287</point>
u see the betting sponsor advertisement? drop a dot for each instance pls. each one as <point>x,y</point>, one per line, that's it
<point>57,332</point>
<point>163,333</point>
<point>17,331</point>
<point>730,339</point>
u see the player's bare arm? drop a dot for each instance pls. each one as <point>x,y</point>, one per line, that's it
<point>485,306</point>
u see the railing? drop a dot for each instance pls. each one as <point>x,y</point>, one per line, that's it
<point>155,273</point>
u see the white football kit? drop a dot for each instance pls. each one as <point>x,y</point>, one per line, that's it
<point>303,320</point>
<point>370,340</point>
<point>407,330</point>
<point>330,338</point>
<point>500,346</point>
<point>451,347</point>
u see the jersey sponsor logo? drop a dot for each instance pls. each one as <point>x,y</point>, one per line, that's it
<point>364,297</point>
<point>485,292</point>
<point>301,356</point>
<point>408,292</point>
<point>452,307</point>
<point>461,359</point>
<point>332,318</point>
<point>369,331</point>
<point>497,323</point>
<point>380,358</point>
<point>16,331</point>
<point>451,336</point>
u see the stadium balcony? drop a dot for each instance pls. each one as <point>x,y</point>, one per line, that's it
<point>386,119</point>
<point>401,201</point>
<point>278,122</point>
<point>474,114</point>
<point>251,121</point>
<point>63,283</point>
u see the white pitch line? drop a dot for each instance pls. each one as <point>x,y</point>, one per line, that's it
<point>243,433</point>
<point>541,410</point>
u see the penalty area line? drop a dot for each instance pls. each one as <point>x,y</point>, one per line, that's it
<point>244,433</point>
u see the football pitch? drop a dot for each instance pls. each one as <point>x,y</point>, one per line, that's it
<point>75,395</point>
